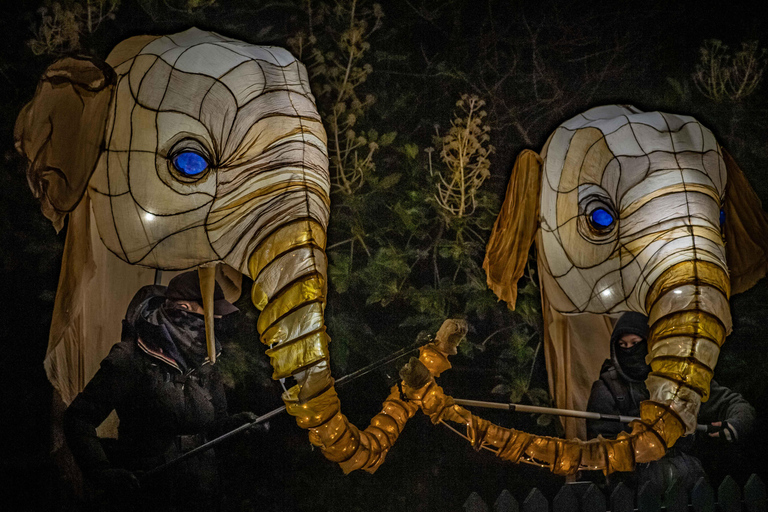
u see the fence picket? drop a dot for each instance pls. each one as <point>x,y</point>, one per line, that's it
<point>535,502</point>
<point>587,497</point>
<point>676,499</point>
<point>565,500</point>
<point>506,503</point>
<point>754,495</point>
<point>475,504</point>
<point>649,498</point>
<point>729,495</point>
<point>593,500</point>
<point>622,499</point>
<point>703,497</point>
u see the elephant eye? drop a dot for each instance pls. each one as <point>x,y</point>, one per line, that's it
<point>601,219</point>
<point>190,163</point>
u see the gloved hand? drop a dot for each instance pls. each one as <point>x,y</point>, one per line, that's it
<point>724,430</point>
<point>116,481</point>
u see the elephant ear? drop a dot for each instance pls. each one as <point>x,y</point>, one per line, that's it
<point>61,132</point>
<point>515,228</point>
<point>746,230</point>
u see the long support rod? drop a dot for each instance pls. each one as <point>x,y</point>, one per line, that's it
<point>344,380</point>
<point>554,411</point>
<point>210,444</point>
<point>393,357</point>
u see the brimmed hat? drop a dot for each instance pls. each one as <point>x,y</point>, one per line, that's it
<point>186,286</point>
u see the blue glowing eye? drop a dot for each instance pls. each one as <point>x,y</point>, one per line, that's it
<point>601,218</point>
<point>189,163</point>
<point>722,217</point>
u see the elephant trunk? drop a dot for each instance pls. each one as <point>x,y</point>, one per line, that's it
<point>689,318</point>
<point>289,272</point>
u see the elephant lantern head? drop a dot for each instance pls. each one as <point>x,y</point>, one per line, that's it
<point>194,149</point>
<point>630,212</point>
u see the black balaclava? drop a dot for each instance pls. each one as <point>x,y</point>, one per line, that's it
<point>178,332</point>
<point>630,362</point>
<point>187,330</point>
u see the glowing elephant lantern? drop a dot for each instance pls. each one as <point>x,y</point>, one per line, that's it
<point>195,149</point>
<point>630,211</point>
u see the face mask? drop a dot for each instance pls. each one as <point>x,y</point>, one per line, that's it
<point>224,328</point>
<point>632,360</point>
<point>187,331</point>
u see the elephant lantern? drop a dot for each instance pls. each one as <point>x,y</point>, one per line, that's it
<point>194,149</point>
<point>186,151</point>
<point>631,211</point>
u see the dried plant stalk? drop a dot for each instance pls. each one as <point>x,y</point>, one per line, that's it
<point>721,76</point>
<point>465,151</point>
<point>337,73</point>
<point>61,27</point>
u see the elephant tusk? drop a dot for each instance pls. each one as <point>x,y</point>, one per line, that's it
<point>207,275</point>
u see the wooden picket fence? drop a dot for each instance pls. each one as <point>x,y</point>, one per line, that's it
<point>587,497</point>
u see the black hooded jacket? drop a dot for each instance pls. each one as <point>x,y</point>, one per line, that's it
<point>616,392</point>
<point>167,399</point>
<point>621,388</point>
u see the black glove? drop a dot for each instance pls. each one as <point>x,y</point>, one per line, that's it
<point>723,430</point>
<point>116,481</point>
<point>241,418</point>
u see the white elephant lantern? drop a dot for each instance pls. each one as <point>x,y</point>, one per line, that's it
<point>186,151</point>
<point>631,211</point>
<point>194,149</point>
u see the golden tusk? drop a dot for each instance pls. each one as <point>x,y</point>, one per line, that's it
<point>207,275</point>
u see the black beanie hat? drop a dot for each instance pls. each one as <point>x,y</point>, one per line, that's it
<point>630,323</point>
